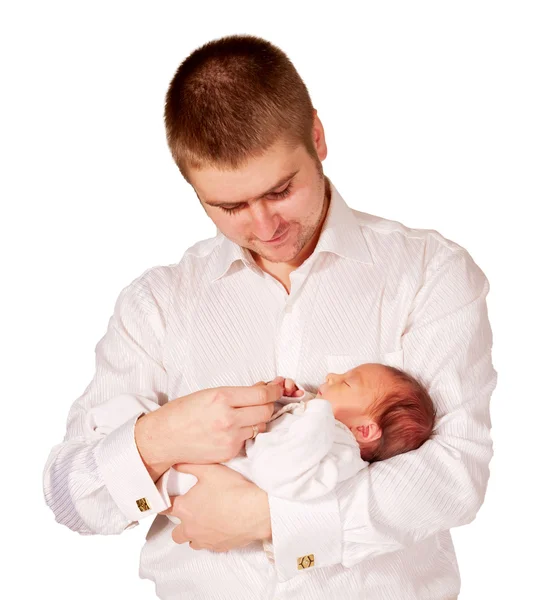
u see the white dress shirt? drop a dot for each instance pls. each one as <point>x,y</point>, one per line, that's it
<point>373,290</point>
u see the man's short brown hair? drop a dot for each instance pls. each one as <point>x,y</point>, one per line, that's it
<point>231,100</point>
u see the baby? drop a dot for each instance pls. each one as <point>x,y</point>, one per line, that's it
<point>387,411</point>
<point>312,442</point>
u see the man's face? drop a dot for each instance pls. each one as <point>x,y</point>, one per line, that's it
<point>280,193</point>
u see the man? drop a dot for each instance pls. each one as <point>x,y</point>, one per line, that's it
<point>295,284</point>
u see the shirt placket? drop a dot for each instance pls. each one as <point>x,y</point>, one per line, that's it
<point>290,326</point>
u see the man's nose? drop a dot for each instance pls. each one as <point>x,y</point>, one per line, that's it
<point>264,224</point>
<point>330,378</point>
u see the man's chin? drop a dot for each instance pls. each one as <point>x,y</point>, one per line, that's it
<point>278,255</point>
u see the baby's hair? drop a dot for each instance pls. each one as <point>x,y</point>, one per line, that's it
<point>406,416</point>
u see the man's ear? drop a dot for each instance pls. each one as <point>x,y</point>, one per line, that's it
<point>319,137</point>
<point>366,431</point>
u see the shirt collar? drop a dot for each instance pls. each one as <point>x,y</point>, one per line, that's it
<point>341,234</point>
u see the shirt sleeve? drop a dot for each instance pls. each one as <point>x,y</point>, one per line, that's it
<point>95,481</point>
<point>395,503</point>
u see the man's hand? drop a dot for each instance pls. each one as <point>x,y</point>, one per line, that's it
<point>223,510</point>
<point>208,426</point>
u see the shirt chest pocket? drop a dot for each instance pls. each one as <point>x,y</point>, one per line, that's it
<point>340,363</point>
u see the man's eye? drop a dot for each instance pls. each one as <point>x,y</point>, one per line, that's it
<point>231,210</point>
<point>277,195</point>
<point>284,193</point>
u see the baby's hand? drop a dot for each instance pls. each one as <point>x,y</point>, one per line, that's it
<point>291,389</point>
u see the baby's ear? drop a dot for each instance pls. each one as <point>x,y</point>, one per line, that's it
<point>366,431</point>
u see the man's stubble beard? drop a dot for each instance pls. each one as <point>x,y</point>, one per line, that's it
<point>305,239</point>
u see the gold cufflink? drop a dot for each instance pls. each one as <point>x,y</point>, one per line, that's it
<point>143,505</point>
<point>304,562</point>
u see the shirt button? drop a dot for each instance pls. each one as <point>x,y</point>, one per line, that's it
<point>288,308</point>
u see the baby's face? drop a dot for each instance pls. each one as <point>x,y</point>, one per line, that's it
<point>351,393</point>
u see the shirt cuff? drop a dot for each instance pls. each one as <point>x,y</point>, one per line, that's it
<point>174,483</point>
<point>125,475</point>
<point>305,534</point>
<point>162,484</point>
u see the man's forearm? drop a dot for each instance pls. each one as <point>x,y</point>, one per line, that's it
<point>261,516</point>
<point>147,435</point>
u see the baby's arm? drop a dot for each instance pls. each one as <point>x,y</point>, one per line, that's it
<point>294,459</point>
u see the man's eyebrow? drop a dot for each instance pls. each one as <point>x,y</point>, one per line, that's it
<point>280,182</point>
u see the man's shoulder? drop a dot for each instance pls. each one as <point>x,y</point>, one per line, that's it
<point>389,237</point>
<point>202,248</point>
<point>394,231</point>
<point>199,256</point>
<point>153,286</point>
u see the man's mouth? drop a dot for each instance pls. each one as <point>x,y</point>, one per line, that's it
<point>279,238</point>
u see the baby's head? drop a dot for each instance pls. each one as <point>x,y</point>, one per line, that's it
<point>387,410</point>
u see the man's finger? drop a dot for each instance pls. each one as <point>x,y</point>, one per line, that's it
<point>239,396</point>
<point>253,415</point>
<point>275,380</point>
<point>179,535</point>
<point>247,432</point>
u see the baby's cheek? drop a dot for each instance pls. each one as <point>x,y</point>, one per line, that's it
<point>335,407</point>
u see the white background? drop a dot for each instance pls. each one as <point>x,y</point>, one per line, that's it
<point>437,114</point>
